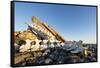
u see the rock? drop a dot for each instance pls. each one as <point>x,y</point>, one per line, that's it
<point>35,54</point>
<point>47,50</point>
<point>39,54</point>
<point>16,47</point>
<point>42,47</point>
<point>44,54</point>
<point>24,35</point>
<point>52,56</point>
<point>60,62</point>
<point>51,46</point>
<point>35,47</point>
<point>40,60</point>
<point>48,61</point>
<point>25,47</point>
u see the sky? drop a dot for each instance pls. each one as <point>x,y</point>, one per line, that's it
<point>71,22</point>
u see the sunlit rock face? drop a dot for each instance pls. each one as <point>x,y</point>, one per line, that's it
<point>29,46</point>
<point>24,35</point>
<point>25,47</point>
<point>35,45</point>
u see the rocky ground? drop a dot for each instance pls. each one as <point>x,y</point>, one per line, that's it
<point>50,56</point>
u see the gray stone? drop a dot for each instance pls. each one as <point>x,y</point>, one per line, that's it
<point>48,61</point>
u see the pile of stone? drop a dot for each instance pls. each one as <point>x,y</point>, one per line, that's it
<point>52,53</point>
<point>56,55</point>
